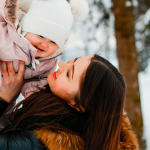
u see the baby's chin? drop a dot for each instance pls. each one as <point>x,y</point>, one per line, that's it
<point>38,55</point>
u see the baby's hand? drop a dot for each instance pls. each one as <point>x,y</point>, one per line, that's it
<point>28,94</point>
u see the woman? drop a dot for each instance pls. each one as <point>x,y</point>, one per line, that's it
<point>93,92</point>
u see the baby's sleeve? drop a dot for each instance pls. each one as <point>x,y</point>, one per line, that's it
<point>37,86</point>
<point>33,86</point>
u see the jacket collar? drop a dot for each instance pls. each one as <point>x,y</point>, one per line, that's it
<point>60,140</point>
<point>128,139</point>
<point>11,11</point>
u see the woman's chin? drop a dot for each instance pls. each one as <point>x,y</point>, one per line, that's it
<point>48,78</point>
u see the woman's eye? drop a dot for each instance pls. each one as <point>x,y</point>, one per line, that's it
<point>41,36</point>
<point>67,73</point>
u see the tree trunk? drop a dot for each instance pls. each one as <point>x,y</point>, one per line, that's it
<point>128,65</point>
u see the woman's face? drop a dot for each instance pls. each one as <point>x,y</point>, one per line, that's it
<point>65,82</point>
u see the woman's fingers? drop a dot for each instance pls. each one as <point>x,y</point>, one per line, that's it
<point>21,70</point>
<point>5,77</point>
<point>10,69</point>
<point>4,68</point>
<point>11,82</point>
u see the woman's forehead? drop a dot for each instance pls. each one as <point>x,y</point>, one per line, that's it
<point>81,58</point>
<point>81,65</point>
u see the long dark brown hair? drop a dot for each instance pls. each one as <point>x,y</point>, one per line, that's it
<point>44,109</point>
<point>102,94</point>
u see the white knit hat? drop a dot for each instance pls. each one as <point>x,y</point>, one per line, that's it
<point>53,18</point>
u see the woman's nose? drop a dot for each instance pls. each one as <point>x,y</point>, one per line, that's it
<point>43,44</point>
<point>63,66</point>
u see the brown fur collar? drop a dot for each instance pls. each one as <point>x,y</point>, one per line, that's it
<point>128,140</point>
<point>11,10</point>
<point>59,140</point>
<point>62,140</point>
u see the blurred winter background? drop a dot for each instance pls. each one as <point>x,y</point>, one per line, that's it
<point>119,31</point>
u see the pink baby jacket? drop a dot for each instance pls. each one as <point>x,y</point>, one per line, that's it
<point>14,47</point>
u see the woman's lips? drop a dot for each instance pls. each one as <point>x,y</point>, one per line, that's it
<point>54,75</point>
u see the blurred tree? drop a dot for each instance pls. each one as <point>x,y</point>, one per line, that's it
<point>97,19</point>
<point>128,64</point>
<point>143,33</point>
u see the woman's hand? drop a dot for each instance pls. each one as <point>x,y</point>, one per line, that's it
<point>11,82</point>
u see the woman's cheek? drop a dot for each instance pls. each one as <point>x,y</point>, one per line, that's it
<point>61,85</point>
<point>58,90</point>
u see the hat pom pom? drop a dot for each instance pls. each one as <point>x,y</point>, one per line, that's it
<point>79,9</point>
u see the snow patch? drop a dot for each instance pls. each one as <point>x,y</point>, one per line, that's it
<point>128,4</point>
<point>147,16</point>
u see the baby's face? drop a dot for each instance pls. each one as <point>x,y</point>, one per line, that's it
<point>45,47</point>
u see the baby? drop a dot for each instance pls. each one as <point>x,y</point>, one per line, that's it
<point>44,25</point>
<point>36,36</point>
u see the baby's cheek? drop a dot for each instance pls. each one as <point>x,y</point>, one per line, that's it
<point>50,52</point>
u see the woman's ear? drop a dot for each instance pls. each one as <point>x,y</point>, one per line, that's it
<point>76,107</point>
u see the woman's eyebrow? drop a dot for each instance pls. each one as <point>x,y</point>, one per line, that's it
<point>76,58</point>
<point>74,67</point>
